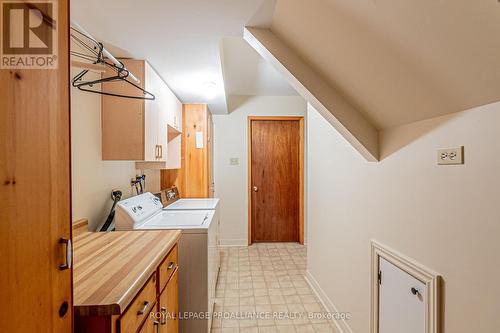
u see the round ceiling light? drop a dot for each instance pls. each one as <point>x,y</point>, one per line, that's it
<point>210,89</point>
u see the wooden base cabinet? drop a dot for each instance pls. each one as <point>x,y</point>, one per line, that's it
<point>154,309</point>
<point>150,326</point>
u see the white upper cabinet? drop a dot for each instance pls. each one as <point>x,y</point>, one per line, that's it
<point>152,112</point>
<point>165,113</point>
<point>155,116</point>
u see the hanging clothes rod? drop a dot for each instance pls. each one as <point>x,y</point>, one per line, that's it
<point>105,52</point>
<point>90,54</point>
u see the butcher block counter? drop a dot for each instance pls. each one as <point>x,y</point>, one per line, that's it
<point>120,278</point>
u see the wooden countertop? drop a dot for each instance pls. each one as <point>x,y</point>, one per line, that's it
<point>111,267</point>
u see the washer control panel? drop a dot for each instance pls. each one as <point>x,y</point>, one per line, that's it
<point>135,210</point>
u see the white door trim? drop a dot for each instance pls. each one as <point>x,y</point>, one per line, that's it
<point>418,271</point>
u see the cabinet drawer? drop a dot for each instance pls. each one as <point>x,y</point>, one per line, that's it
<point>168,267</point>
<point>140,308</point>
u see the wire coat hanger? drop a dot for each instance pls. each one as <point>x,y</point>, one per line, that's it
<point>94,53</point>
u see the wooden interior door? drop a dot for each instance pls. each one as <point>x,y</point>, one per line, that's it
<point>275,179</point>
<point>35,294</point>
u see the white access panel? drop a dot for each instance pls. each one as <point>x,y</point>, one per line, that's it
<point>400,311</point>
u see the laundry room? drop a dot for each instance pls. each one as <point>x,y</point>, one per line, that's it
<point>249,166</point>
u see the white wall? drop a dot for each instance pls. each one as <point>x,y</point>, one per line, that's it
<point>92,178</point>
<point>445,217</point>
<point>230,141</point>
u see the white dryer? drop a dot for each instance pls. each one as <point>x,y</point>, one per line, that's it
<point>172,201</point>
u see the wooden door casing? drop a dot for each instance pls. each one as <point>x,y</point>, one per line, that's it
<point>276,170</point>
<point>210,156</point>
<point>35,193</point>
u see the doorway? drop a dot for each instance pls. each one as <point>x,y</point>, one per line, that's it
<point>275,179</point>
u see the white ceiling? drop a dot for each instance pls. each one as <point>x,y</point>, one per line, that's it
<point>247,73</point>
<point>180,39</point>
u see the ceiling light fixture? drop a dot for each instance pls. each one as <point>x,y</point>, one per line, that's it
<point>210,89</point>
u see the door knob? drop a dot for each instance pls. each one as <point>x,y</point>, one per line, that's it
<point>415,291</point>
<point>255,189</point>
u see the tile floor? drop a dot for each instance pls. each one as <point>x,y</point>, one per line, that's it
<point>264,286</point>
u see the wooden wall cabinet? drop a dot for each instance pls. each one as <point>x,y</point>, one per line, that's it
<point>136,129</point>
<point>195,178</point>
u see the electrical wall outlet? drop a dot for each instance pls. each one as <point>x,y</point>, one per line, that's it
<point>450,156</point>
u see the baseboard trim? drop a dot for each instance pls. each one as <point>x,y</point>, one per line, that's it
<point>340,325</point>
<point>233,242</point>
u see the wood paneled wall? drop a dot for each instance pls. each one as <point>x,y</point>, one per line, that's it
<point>195,159</point>
<point>194,179</point>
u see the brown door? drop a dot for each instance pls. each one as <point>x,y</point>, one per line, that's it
<point>275,182</point>
<point>35,293</point>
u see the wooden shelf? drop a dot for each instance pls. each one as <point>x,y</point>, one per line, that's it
<point>150,165</point>
<point>172,133</point>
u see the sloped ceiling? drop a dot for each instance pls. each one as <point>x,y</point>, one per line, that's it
<point>399,61</point>
<point>247,73</point>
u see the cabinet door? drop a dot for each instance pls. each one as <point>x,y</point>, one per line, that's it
<point>169,306</point>
<point>123,118</point>
<point>178,117</point>
<point>151,115</point>
<point>173,108</point>
<point>35,159</point>
<point>150,326</point>
<point>400,309</point>
<point>162,123</point>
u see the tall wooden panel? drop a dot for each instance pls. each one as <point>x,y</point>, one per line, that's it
<point>195,158</point>
<point>35,193</point>
<point>195,177</point>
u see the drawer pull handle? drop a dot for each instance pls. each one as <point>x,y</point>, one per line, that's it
<point>157,326</point>
<point>69,254</point>
<point>171,265</point>
<point>144,308</point>
<point>163,312</point>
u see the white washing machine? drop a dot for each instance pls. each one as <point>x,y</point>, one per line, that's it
<point>199,258</point>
